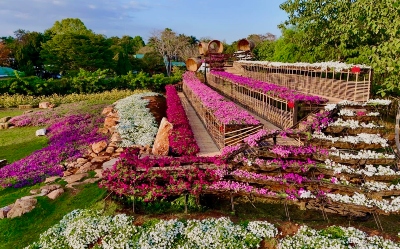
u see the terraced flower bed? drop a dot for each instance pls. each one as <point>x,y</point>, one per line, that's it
<point>227,123</point>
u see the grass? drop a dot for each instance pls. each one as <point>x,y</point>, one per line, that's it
<point>22,231</point>
<point>20,142</point>
<point>11,112</point>
<point>10,195</point>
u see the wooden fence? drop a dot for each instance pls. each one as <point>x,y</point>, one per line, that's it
<point>273,109</point>
<point>222,134</point>
<point>341,84</point>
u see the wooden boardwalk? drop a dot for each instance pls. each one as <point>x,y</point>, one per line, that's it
<point>204,140</point>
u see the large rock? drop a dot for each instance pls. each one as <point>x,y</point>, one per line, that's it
<point>99,173</point>
<point>4,211</point>
<point>21,207</point>
<point>116,137</point>
<point>75,178</point>
<point>41,132</point>
<point>55,193</point>
<point>107,110</point>
<point>86,168</point>
<point>110,150</point>
<point>161,144</point>
<point>81,160</point>
<point>100,159</point>
<point>49,188</point>
<point>110,122</point>
<point>99,146</point>
<point>44,105</point>
<point>51,179</point>
<point>5,119</point>
<point>109,164</point>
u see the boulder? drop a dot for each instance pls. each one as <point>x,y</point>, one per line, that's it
<point>3,126</point>
<point>99,146</point>
<point>116,137</point>
<point>107,110</point>
<point>55,193</point>
<point>161,144</point>
<point>44,105</point>
<point>75,178</point>
<point>99,173</point>
<point>100,159</point>
<point>91,180</point>
<point>3,162</point>
<point>4,211</point>
<point>110,150</point>
<point>49,188</point>
<point>86,168</point>
<point>51,179</point>
<point>110,163</point>
<point>27,111</point>
<point>21,207</point>
<point>119,150</point>
<point>81,160</point>
<point>110,122</point>
<point>41,132</point>
<point>113,144</point>
<point>5,119</point>
<point>34,191</point>
<point>103,130</point>
<point>67,173</point>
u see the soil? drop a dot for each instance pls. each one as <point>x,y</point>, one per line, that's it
<point>157,106</point>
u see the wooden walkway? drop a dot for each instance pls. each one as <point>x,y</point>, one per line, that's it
<point>204,140</point>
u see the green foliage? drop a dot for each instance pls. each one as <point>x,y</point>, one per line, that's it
<point>20,142</point>
<point>362,31</point>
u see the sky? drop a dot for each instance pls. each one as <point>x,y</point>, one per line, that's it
<point>225,20</point>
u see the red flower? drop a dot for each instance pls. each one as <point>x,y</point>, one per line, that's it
<point>290,104</point>
<point>355,69</point>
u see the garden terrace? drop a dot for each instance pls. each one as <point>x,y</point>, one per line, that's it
<point>227,123</point>
<point>330,79</point>
<point>279,105</point>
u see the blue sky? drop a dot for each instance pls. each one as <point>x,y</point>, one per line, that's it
<point>228,20</point>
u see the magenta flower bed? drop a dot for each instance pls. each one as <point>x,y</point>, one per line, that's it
<point>181,140</point>
<point>68,138</point>
<point>225,111</point>
<point>268,88</point>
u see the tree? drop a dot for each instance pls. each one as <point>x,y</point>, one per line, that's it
<point>68,25</point>
<point>356,31</point>
<point>259,38</point>
<point>70,51</point>
<point>5,54</point>
<point>168,43</point>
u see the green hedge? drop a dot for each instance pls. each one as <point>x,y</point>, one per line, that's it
<point>86,82</point>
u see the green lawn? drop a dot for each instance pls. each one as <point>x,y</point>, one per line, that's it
<point>12,112</point>
<point>20,142</point>
<point>22,231</point>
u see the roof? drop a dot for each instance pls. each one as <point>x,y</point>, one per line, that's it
<point>6,72</point>
<point>139,56</point>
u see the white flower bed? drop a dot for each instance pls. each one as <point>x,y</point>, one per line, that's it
<point>334,237</point>
<point>352,113</point>
<point>360,138</point>
<point>354,124</point>
<point>369,170</point>
<point>137,126</point>
<point>84,228</point>
<point>368,103</point>
<point>361,154</point>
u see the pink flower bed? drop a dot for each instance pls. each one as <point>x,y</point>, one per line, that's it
<point>181,140</point>
<point>225,111</point>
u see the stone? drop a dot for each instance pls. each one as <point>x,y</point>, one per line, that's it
<point>51,179</point>
<point>3,162</point>
<point>41,132</point>
<point>27,111</point>
<point>5,119</point>
<point>119,150</point>
<point>75,178</point>
<point>112,129</point>
<point>99,146</point>
<point>55,193</point>
<point>21,207</point>
<point>91,180</point>
<point>34,191</point>
<point>67,173</point>
<point>82,160</point>
<point>110,122</point>
<point>113,144</point>
<point>99,173</point>
<point>44,105</point>
<point>100,159</point>
<point>28,197</point>
<point>107,110</point>
<point>4,211</point>
<point>110,150</point>
<point>110,163</point>
<point>161,144</point>
<point>93,155</point>
<point>116,154</point>
<point>49,188</point>
<point>3,126</point>
<point>103,130</point>
<point>86,168</point>
<point>71,185</point>
<point>115,137</point>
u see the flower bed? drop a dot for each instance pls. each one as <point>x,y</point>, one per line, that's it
<point>137,126</point>
<point>181,140</point>
<point>360,141</point>
<point>68,138</point>
<point>226,123</point>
